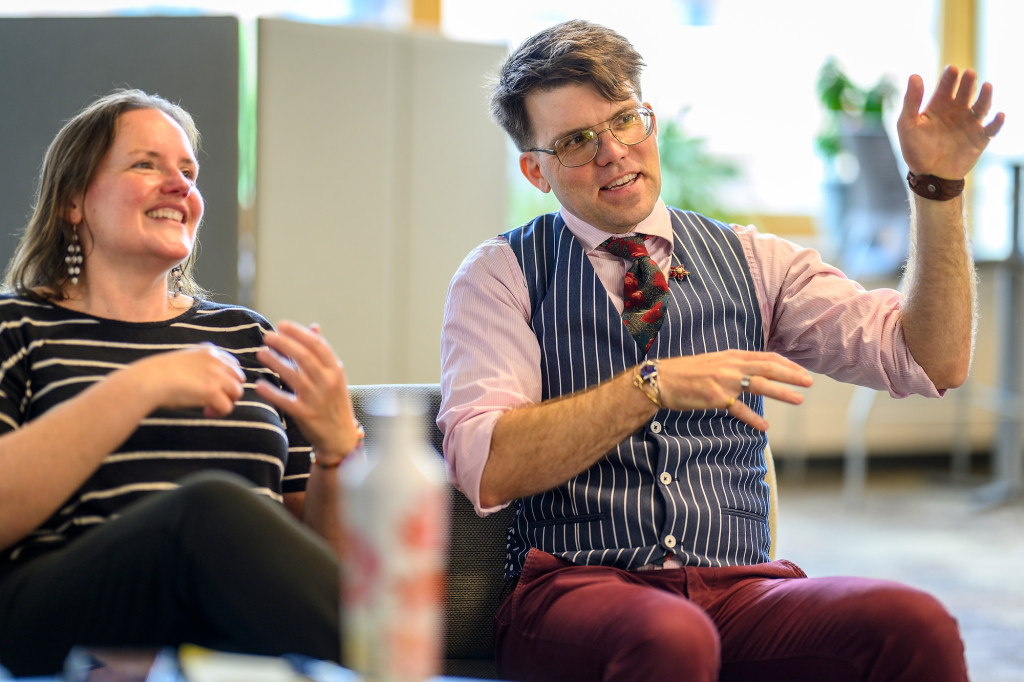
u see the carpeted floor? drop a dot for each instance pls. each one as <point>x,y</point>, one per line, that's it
<point>917,527</point>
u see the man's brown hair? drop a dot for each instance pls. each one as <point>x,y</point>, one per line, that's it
<point>571,52</point>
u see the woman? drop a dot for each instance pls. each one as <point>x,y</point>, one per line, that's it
<point>148,437</point>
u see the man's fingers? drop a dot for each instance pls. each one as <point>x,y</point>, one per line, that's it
<point>740,411</point>
<point>965,91</point>
<point>913,97</point>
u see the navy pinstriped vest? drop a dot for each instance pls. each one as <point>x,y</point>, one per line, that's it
<point>688,482</point>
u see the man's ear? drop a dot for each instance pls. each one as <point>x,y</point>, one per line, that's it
<point>533,172</point>
<point>653,115</point>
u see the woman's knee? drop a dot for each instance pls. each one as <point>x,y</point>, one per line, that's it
<point>215,503</point>
<point>215,518</point>
<point>213,491</point>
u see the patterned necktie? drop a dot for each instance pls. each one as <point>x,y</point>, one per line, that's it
<point>643,292</point>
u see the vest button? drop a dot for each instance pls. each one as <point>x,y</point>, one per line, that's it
<point>669,541</point>
<point>655,427</point>
<point>665,477</point>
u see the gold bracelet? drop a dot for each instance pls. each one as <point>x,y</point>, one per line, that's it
<point>645,377</point>
<point>360,437</point>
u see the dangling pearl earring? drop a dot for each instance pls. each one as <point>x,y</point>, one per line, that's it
<point>176,273</point>
<point>74,257</point>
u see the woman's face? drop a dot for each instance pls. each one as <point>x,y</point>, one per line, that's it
<point>142,208</point>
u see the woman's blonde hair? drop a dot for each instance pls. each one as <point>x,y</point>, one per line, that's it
<point>38,268</point>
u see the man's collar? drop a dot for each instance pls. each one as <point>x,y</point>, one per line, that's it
<point>658,224</point>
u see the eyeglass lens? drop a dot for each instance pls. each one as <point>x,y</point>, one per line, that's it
<point>629,127</point>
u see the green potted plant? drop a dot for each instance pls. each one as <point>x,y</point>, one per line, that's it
<point>865,205</point>
<point>848,108</point>
<point>691,177</point>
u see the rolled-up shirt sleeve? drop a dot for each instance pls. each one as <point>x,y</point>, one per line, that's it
<point>828,323</point>
<point>490,359</point>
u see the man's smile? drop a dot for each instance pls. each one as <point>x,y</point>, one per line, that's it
<point>624,181</point>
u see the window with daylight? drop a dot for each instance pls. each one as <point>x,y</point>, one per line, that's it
<point>736,78</point>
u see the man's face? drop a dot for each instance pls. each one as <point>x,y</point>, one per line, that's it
<point>616,190</point>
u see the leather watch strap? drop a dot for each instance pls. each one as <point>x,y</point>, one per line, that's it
<point>933,187</point>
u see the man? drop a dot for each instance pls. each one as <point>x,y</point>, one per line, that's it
<point>633,445</point>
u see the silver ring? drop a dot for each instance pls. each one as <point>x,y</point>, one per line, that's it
<point>745,382</point>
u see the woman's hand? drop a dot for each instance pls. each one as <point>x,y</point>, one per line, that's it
<point>201,376</point>
<point>319,401</point>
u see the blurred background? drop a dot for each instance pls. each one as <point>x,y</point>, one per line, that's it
<point>349,164</point>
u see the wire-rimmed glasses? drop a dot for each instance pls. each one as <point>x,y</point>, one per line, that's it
<point>629,126</point>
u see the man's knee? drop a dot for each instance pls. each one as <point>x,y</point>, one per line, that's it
<point>680,643</point>
<point>907,613</point>
<point>919,620</point>
<point>604,630</point>
<point>914,634</point>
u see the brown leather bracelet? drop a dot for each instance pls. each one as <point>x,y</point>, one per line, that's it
<point>935,188</point>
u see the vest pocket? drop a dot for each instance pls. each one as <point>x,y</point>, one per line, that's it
<point>569,521</point>
<point>744,514</point>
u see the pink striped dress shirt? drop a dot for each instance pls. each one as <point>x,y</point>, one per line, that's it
<point>811,312</point>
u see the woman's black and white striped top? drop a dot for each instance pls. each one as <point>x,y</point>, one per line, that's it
<point>49,354</point>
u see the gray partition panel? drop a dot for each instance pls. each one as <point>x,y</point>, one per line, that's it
<point>52,67</point>
<point>379,170</point>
